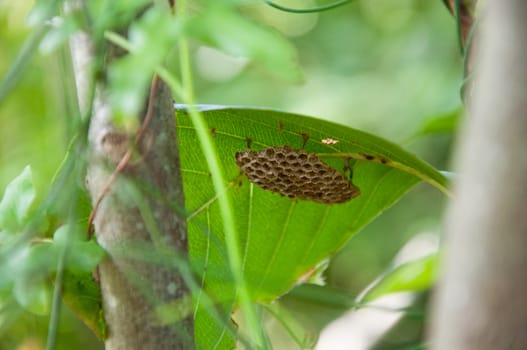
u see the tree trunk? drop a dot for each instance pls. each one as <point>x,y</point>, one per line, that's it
<point>481,300</point>
<point>146,215</point>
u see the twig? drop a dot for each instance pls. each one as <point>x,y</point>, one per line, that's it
<point>126,157</point>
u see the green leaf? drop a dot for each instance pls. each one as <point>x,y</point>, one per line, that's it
<point>31,262</point>
<point>323,295</point>
<point>16,203</point>
<point>82,256</point>
<point>5,284</point>
<point>151,37</point>
<point>235,35</point>
<point>33,294</point>
<point>413,276</point>
<point>303,338</point>
<point>28,271</point>
<point>41,11</point>
<point>31,269</point>
<point>447,123</point>
<point>38,259</point>
<point>281,239</point>
<point>61,31</point>
<point>108,14</point>
<point>82,295</point>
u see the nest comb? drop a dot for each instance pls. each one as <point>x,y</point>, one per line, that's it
<point>296,174</point>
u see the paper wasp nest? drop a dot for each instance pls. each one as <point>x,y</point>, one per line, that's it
<point>295,174</point>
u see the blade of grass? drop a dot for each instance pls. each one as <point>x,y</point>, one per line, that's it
<point>218,179</point>
<point>57,296</point>
<point>27,50</point>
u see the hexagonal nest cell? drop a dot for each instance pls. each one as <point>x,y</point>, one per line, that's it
<point>296,174</point>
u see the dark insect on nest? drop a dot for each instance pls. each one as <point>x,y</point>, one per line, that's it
<point>296,174</point>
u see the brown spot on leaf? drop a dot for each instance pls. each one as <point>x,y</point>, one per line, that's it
<point>305,138</point>
<point>281,125</point>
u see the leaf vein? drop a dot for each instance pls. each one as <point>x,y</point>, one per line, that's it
<point>207,252</point>
<point>278,245</point>
<point>249,224</point>
<point>208,203</point>
<point>317,233</point>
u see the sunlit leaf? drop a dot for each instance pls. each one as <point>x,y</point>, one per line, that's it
<point>151,37</point>
<point>281,239</point>
<point>109,14</point>
<point>28,272</point>
<point>26,276</point>
<point>82,256</point>
<point>34,294</point>
<point>442,124</point>
<point>17,201</point>
<point>304,338</point>
<point>61,31</point>
<point>40,11</point>
<point>413,276</point>
<point>85,256</point>
<point>236,36</point>
<point>38,259</point>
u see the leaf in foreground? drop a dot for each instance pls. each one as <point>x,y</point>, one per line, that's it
<point>282,240</point>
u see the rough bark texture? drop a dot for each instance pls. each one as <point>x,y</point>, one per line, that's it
<point>132,287</point>
<point>481,301</point>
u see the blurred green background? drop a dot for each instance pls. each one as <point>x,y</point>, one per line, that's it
<point>384,66</point>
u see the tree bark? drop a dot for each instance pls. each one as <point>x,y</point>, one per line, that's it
<point>135,287</point>
<point>481,300</point>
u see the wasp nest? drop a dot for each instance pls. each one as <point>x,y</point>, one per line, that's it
<point>295,174</point>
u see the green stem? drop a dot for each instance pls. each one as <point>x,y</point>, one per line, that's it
<point>119,41</point>
<point>57,296</point>
<point>308,10</point>
<point>175,85</point>
<point>218,179</point>
<point>457,14</point>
